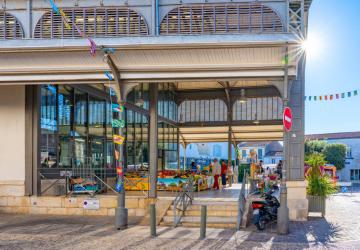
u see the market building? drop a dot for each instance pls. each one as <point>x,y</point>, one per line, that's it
<point>193,72</point>
<point>351,171</point>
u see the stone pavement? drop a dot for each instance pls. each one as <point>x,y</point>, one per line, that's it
<point>339,230</point>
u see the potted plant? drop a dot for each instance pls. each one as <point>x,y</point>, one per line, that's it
<point>319,186</point>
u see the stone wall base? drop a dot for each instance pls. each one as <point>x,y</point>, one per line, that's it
<point>297,201</point>
<point>137,206</point>
<point>12,188</point>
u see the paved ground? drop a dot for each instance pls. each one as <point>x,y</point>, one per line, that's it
<point>339,230</point>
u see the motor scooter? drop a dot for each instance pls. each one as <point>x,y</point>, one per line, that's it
<point>265,211</point>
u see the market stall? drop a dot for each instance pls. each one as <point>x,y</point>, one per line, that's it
<point>168,180</point>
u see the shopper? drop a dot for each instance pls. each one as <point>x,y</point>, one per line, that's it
<point>236,174</point>
<point>193,167</point>
<point>223,174</point>
<point>230,174</point>
<point>279,169</point>
<point>216,171</point>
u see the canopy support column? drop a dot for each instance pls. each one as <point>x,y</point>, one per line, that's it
<point>121,212</point>
<point>178,148</point>
<point>283,213</point>
<point>153,140</point>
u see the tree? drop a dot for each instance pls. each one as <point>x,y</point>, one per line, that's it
<point>315,146</point>
<point>335,153</point>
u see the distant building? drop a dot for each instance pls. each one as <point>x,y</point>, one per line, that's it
<point>274,153</point>
<point>351,172</point>
<point>269,152</point>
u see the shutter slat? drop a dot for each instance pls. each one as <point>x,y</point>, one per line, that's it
<point>99,22</point>
<point>221,18</point>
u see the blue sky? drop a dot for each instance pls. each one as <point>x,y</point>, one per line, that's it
<point>334,66</point>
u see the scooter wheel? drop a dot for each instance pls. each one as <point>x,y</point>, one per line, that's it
<point>260,225</point>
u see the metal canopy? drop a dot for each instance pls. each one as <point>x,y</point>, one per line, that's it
<point>239,133</point>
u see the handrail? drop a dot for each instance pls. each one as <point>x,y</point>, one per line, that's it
<point>183,200</point>
<point>242,199</point>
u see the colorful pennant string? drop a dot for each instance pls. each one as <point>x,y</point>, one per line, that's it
<point>67,22</point>
<point>332,97</point>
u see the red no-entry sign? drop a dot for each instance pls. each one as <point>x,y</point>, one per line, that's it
<point>287,119</point>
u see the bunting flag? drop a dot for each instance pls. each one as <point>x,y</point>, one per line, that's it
<point>117,123</point>
<point>109,76</point>
<point>117,108</point>
<point>67,24</point>
<point>332,97</point>
<point>118,139</point>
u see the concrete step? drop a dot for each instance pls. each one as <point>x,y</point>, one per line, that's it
<point>210,213</point>
<point>196,219</point>
<point>197,225</point>
<point>195,207</point>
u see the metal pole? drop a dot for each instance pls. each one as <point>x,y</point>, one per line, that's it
<point>283,213</point>
<point>153,140</point>
<point>152,220</point>
<point>203,222</point>
<point>185,156</point>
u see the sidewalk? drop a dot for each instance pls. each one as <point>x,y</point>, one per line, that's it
<point>339,230</point>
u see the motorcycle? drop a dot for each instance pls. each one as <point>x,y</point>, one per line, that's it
<point>265,211</point>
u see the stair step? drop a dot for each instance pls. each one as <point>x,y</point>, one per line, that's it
<point>197,225</point>
<point>222,207</point>
<point>209,213</point>
<point>195,219</point>
<point>210,225</point>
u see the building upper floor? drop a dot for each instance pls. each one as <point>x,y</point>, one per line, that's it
<point>38,19</point>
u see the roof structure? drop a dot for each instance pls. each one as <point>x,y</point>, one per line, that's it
<point>332,136</point>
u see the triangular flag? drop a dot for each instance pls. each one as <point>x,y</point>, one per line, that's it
<point>355,92</point>
<point>315,98</point>
<point>320,98</point>
<point>325,97</point>
<point>342,95</point>
<point>337,96</point>
<point>285,60</point>
<point>349,94</point>
<point>304,98</point>
<point>331,97</point>
<point>309,98</point>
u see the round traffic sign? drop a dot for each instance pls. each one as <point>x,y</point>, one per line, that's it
<point>287,119</point>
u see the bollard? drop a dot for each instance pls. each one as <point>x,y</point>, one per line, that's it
<point>152,220</point>
<point>203,222</point>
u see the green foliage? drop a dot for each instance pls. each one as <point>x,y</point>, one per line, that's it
<point>318,185</point>
<point>335,154</point>
<point>314,147</point>
<point>315,161</point>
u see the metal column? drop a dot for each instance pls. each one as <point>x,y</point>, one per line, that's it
<point>121,212</point>
<point>153,139</point>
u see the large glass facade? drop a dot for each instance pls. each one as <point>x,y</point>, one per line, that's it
<point>137,128</point>
<point>76,131</point>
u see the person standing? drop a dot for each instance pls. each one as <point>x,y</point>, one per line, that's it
<point>216,171</point>
<point>279,169</point>
<point>223,174</point>
<point>236,174</point>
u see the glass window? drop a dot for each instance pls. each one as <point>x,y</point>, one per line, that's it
<point>65,120</point>
<point>260,153</point>
<point>48,123</point>
<point>355,174</point>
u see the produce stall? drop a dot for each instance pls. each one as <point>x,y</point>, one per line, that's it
<point>168,180</point>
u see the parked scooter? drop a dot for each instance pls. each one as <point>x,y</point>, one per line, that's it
<point>265,211</point>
